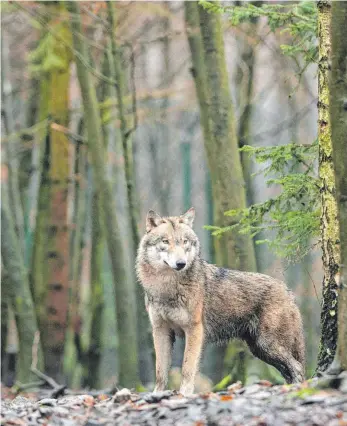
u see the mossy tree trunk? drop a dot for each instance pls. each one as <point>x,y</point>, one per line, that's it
<point>146,360</point>
<point>232,250</point>
<point>329,224</point>
<point>97,297</point>
<point>209,70</point>
<point>125,297</point>
<point>50,278</point>
<point>338,116</point>
<point>16,289</point>
<point>57,249</point>
<point>244,82</point>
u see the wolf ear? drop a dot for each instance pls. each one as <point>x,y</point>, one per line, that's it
<point>188,217</point>
<point>152,220</point>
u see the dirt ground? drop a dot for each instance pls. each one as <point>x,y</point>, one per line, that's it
<point>316,402</point>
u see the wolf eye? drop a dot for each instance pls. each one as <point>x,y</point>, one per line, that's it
<point>165,241</point>
<point>185,241</point>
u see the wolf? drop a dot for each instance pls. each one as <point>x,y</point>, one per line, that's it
<point>187,296</point>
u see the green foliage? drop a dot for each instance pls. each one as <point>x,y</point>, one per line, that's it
<point>297,19</point>
<point>294,214</point>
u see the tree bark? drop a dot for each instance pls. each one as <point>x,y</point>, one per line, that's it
<point>205,38</point>
<point>11,146</point>
<point>50,279</point>
<point>146,359</point>
<point>125,300</point>
<point>329,224</point>
<point>338,117</point>
<point>164,182</point>
<point>244,82</point>
<point>97,298</point>
<point>235,251</point>
<point>17,291</point>
<point>97,295</point>
<point>57,249</point>
<point>26,160</point>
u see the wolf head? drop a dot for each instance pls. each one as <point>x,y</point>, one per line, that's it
<point>170,242</point>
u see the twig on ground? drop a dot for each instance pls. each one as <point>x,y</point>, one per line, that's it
<point>57,389</point>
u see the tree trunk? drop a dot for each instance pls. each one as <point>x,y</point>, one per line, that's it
<point>338,115</point>
<point>244,82</point>
<point>235,251</point>
<point>57,249</point>
<point>164,144</point>
<point>97,295</point>
<point>4,319</point>
<point>77,243</point>
<point>146,361</point>
<point>51,252</point>
<point>11,146</point>
<point>39,265</point>
<point>125,298</point>
<point>221,145</point>
<point>329,224</point>
<point>80,177</point>
<point>17,291</point>
<point>26,163</point>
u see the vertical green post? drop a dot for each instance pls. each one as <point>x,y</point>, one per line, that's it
<point>209,202</point>
<point>187,175</point>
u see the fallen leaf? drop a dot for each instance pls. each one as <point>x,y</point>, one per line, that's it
<point>226,397</point>
<point>265,383</point>
<point>102,397</point>
<point>88,401</point>
<point>234,386</point>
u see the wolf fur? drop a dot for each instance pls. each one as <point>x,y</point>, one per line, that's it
<point>185,295</point>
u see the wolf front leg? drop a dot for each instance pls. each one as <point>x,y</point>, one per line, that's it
<point>163,350</point>
<point>192,353</point>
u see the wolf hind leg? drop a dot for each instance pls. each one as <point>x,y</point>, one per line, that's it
<point>278,356</point>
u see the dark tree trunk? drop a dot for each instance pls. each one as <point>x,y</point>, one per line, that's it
<point>338,116</point>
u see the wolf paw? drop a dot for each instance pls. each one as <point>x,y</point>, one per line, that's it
<point>187,390</point>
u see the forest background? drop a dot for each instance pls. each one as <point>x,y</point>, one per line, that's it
<point>110,109</point>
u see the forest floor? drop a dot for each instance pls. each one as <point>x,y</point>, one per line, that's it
<point>316,402</point>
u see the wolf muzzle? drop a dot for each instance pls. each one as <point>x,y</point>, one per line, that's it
<point>179,265</point>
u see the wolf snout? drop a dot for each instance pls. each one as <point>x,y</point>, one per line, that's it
<point>180,264</point>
